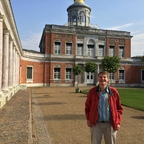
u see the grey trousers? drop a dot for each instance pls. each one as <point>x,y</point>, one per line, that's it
<point>103,129</point>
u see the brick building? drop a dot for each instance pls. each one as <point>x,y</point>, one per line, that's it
<point>61,48</point>
<point>77,43</point>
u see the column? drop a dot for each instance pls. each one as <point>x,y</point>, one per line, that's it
<point>14,53</point>
<point>10,80</point>
<point>1,49</point>
<point>18,78</point>
<point>5,61</point>
<point>17,68</point>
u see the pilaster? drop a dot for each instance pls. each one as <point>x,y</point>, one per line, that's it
<point>13,53</point>
<point>5,61</point>
<point>1,50</point>
<point>10,80</point>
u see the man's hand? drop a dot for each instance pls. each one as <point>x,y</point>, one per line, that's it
<point>89,123</point>
<point>118,126</point>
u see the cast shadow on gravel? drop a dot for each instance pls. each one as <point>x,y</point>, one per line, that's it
<point>49,103</point>
<point>44,96</point>
<point>65,117</point>
<point>138,117</point>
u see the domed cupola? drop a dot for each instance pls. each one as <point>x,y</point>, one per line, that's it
<point>79,14</point>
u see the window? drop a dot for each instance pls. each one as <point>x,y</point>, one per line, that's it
<point>121,51</point>
<point>142,75</point>
<point>68,73</point>
<point>79,49</point>
<point>81,18</point>
<point>74,19</point>
<point>57,48</point>
<point>111,76</point>
<point>68,48</point>
<point>111,51</point>
<point>121,74</point>
<point>90,50</point>
<point>101,50</point>
<point>57,73</point>
<point>29,73</point>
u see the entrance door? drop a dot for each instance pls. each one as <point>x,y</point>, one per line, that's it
<point>90,78</point>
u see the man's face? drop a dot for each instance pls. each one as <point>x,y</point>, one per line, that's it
<point>103,79</point>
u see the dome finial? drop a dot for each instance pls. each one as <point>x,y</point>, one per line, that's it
<point>82,1</point>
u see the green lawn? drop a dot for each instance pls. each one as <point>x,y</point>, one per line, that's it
<point>131,97</point>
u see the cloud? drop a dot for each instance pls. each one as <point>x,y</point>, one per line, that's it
<point>137,41</point>
<point>31,41</point>
<point>121,27</point>
<point>137,48</point>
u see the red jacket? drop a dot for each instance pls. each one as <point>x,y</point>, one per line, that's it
<point>91,106</point>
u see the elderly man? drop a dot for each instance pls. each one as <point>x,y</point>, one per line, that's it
<point>103,111</point>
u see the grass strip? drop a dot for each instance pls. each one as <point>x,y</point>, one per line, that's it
<point>130,97</point>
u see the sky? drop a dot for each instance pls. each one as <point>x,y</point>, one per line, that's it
<point>31,16</point>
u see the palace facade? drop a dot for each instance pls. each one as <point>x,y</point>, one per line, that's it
<point>61,48</point>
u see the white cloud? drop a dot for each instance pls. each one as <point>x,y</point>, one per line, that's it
<point>137,44</point>
<point>121,27</point>
<point>31,41</point>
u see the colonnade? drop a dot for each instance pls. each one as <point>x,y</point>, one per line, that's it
<point>9,64</point>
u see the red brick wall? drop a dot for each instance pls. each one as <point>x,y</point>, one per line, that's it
<point>117,42</point>
<point>38,71</point>
<point>63,38</point>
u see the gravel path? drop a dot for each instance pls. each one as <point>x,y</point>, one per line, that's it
<point>15,120</point>
<point>62,114</point>
<point>56,116</point>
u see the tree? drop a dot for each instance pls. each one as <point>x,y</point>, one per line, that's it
<point>110,64</point>
<point>77,70</point>
<point>90,67</point>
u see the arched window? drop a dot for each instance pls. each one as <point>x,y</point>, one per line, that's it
<point>81,18</point>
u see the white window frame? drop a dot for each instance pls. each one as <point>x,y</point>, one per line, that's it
<point>79,49</point>
<point>91,50</point>
<point>57,48</point>
<point>27,78</point>
<point>57,73</point>
<point>68,48</point>
<point>121,51</point>
<point>68,75</point>
<point>101,50</point>
<point>121,76</point>
<point>111,50</point>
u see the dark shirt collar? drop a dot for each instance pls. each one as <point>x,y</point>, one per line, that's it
<point>106,89</point>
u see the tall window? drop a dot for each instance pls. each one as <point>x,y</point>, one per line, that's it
<point>29,73</point>
<point>79,49</point>
<point>74,19</point>
<point>56,73</point>
<point>111,76</point>
<point>142,75</point>
<point>101,50</point>
<point>111,50</point>
<point>81,18</point>
<point>57,48</point>
<point>68,48</point>
<point>90,50</point>
<point>68,73</point>
<point>121,74</point>
<point>121,51</point>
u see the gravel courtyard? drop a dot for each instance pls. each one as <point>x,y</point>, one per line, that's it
<point>58,118</point>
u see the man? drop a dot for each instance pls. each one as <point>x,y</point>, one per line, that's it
<point>103,111</point>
